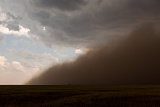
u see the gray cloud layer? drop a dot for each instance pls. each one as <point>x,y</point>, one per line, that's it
<point>132,60</point>
<point>82,21</point>
<point>64,5</point>
<point>10,20</point>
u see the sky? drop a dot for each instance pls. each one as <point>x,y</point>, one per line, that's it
<point>36,34</point>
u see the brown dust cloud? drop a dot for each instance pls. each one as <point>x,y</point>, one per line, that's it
<point>134,59</point>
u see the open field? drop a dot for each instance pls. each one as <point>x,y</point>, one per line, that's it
<point>80,96</point>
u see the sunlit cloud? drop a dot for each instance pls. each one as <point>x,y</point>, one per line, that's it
<point>22,32</point>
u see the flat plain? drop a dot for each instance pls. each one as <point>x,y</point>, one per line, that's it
<point>79,96</point>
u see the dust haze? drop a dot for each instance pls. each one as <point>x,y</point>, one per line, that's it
<point>133,59</point>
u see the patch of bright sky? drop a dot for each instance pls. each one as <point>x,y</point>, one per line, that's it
<point>21,42</point>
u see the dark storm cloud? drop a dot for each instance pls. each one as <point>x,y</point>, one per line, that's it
<point>96,22</point>
<point>64,5</point>
<point>134,59</point>
<point>70,22</point>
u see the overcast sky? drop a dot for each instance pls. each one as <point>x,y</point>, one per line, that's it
<point>35,34</point>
